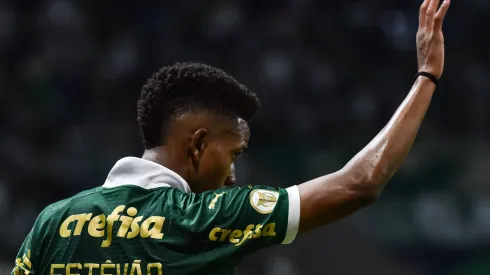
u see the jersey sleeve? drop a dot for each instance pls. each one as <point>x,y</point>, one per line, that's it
<point>24,260</point>
<point>245,217</point>
<point>28,260</point>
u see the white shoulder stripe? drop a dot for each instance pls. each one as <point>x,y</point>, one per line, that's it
<point>293,215</point>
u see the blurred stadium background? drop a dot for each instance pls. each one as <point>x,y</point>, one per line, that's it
<point>330,74</point>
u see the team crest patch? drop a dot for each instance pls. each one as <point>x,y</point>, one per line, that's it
<point>263,201</point>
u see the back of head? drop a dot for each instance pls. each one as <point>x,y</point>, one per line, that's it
<point>188,88</point>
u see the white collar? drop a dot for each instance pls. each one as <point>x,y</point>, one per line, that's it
<point>145,174</point>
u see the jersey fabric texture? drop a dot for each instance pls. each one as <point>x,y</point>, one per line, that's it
<point>145,220</point>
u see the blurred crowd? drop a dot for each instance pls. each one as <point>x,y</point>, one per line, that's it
<point>329,74</point>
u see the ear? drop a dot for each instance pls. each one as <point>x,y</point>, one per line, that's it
<point>197,143</point>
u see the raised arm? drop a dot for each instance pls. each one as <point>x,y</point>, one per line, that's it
<point>360,182</point>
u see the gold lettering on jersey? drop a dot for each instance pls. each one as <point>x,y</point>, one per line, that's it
<point>136,267</point>
<point>215,199</point>
<point>123,226</point>
<point>70,267</point>
<point>113,217</point>
<point>90,267</point>
<point>65,232</point>
<point>26,259</point>
<point>238,237</point>
<point>126,222</point>
<point>118,269</point>
<point>96,226</point>
<point>258,231</point>
<point>269,230</point>
<point>212,234</point>
<point>126,268</point>
<point>81,220</point>
<point>23,265</point>
<point>235,235</point>
<point>224,234</point>
<point>152,227</point>
<point>247,234</point>
<point>56,266</point>
<point>18,271</point>
<point>107,268</point>
<point>135,228</point>
<point>157,266</point>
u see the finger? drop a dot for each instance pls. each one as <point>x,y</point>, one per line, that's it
<point>431,12</point>
<point>423,13</point>
<point>433,6</point>
<point>441,13</point>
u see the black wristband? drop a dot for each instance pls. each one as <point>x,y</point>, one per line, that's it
<point>430,76</point>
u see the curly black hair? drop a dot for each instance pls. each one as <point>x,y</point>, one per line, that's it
<point>190,87</point>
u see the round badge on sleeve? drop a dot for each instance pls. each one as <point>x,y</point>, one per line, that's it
<point>263,201</point>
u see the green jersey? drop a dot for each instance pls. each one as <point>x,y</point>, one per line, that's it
<point>145,220</point>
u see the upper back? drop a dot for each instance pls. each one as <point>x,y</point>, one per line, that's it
<point>123,225</point>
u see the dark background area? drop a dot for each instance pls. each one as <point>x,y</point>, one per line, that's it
<point>329,73</point>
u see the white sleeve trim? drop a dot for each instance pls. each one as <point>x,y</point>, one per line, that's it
<point>293,216</point>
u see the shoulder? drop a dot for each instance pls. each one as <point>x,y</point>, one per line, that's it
<point>53,210</point>
<point>50,216</point>
<point>234,196</point>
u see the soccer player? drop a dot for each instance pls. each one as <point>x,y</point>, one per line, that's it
<point>173,212</point>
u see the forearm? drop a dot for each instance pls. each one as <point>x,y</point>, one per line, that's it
<point>359,183</point>
<point>382,157</point>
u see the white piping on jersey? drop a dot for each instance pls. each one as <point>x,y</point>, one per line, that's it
<point>145,174</point>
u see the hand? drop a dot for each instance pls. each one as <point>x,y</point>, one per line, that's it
<point>430,40</point>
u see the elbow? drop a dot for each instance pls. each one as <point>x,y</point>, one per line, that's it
<point>367,198</point>
<point>366,187</point>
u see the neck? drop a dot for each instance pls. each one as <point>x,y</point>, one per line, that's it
<point>162,156</point>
